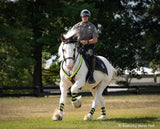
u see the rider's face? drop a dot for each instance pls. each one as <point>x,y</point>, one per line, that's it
<point>85,19</point>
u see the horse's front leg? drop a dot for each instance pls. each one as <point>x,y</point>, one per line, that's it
<point>74,91</point>
<point>58,114</point>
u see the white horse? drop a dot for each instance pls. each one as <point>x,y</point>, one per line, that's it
<point>73,68</point>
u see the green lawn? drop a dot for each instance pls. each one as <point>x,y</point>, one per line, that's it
<point>127,111</point>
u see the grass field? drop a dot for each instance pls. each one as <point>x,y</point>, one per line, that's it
<point>126,111</point>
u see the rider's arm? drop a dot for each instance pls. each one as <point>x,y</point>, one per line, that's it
<point>91,41</point>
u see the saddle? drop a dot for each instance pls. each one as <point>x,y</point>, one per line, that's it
<point>99,64</point>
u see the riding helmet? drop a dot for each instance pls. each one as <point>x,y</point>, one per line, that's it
<point>85,13</point>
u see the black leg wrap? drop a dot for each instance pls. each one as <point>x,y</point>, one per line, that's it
<point>74,97</point>
<point>92,111</point>
<point>103,111</point>
<point>61,107</point>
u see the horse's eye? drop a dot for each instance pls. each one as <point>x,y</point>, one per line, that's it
<point>63,50</point>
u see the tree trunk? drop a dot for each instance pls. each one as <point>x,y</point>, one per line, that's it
<point>37,75</point>
<point>37,52</point>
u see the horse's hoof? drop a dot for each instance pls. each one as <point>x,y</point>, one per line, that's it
<point>58,115</point>
<point>88,117</point>
<point>57,118</point>
<point>102,117</point>
<point>77,103</point>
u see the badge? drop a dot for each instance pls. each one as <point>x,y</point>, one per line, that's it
<point>89,27</point>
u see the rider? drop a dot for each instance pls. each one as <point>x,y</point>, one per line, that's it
<point>88,36</point>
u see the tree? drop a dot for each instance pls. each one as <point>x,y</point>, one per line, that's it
<point>15,61</point>
<point>117,40</point>
<point>130,29</point>
<point>147,25</point>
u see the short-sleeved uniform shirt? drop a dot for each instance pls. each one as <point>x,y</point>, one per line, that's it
<point>86,32</point>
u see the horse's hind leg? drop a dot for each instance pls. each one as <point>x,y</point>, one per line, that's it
<point>103,109</point>
<point>102,102</point>
<point>97,93</point>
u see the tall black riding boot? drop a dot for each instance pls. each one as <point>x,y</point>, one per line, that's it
<point>91,79</point>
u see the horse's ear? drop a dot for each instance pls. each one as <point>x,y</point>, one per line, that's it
<point>62,38</point>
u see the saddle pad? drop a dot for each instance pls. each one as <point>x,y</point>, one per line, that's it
<point>99,65</point>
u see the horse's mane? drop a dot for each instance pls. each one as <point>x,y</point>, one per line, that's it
<point>60,53</point>
<point>69,34</point>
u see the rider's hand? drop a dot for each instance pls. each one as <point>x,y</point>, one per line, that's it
<point>84,42</point>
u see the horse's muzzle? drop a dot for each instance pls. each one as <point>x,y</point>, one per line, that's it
<point>69,67</point>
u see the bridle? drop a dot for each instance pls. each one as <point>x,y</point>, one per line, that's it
<point>71,76</point>
<point>74,57</point>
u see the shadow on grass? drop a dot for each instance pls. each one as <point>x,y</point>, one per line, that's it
<point>140,120</point>
<point>133,120</point>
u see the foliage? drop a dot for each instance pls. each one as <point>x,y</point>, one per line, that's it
<point>15,60</point>
<point>51,74</point>
<point>148,25</point>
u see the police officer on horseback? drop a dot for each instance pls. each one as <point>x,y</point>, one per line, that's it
<point>88,36</point>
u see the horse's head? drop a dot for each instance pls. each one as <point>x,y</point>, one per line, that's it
<point>68,51</point>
